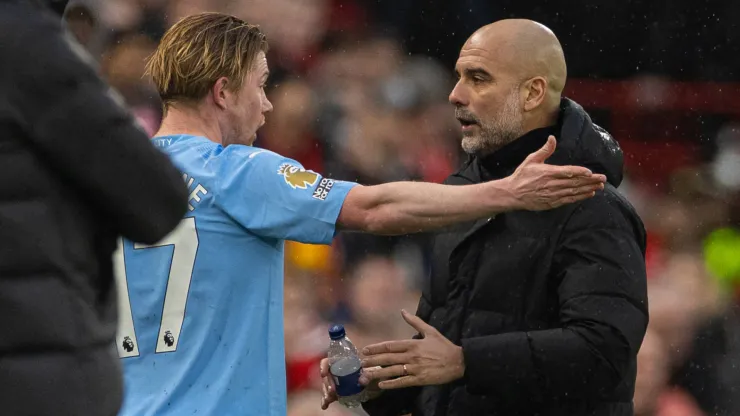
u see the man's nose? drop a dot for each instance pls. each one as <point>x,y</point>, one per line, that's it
<point>457,96</point>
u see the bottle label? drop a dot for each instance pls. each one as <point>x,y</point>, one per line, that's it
<point>350,384</point>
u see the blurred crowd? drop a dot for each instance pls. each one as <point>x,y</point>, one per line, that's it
<point>352,101</point>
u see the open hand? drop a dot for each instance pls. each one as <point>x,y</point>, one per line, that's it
<point>538,186</point>
<point>432,360</point>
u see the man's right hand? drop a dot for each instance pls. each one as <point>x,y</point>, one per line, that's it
<point>537,186</point>
<point>329,390</point>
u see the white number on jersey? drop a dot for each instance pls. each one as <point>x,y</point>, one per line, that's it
<point>184,238</point>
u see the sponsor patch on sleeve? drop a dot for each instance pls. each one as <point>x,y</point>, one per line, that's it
<point>323,189</point>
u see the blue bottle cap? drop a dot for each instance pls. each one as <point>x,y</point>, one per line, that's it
<point>336,332</point>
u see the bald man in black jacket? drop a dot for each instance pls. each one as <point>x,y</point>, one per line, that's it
<point>524,313</point>
<point>77,173</point>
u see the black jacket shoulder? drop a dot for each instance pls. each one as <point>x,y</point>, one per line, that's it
<point>79,173</point>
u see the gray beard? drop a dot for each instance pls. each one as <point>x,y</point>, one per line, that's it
<point>490,141</point>
<point>497,132</point>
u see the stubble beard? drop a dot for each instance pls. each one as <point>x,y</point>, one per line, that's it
<point>496,132</point>
<point>240,134</point>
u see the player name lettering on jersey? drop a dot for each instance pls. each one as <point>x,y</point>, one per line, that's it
<point>163,142</point>
<point>196,190</point>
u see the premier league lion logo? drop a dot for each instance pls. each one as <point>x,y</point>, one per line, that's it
<point>128,344</point>
<point>169,339</point>
<point>297,177</point>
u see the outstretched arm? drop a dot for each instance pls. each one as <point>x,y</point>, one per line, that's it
<point>275,197</point>
<point>409,207</point>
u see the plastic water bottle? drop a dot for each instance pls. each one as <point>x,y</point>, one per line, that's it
<point>345,367</point>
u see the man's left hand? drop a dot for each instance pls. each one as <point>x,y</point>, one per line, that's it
<point>431,360</point>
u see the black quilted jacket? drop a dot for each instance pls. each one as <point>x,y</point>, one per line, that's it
<point>75,173</point>
<point>549,307</point>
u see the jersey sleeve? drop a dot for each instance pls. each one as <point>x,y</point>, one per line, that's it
<point>273,196</point>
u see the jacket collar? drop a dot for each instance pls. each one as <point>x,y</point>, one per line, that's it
<point>504,161</point>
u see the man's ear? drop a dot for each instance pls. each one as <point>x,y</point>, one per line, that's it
<point>536,90</point>
<point>219,92</point>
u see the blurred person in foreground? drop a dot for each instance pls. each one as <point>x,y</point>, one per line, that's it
<point>79,173</point>
<point>202,329</point>
<point>525,313</point>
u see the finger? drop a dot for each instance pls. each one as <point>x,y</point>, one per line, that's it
<point>387,347</point>
<point>579,197</point>
<point>572,186</point>
<point>326,386</point>
<point>588,189</point>
<point>565,172</point>
<point>331,388</point>
<point>572,199</point>
<point>543,153</point>
<point>385,360</point>
<point>364,379</point>
<point>329,384</point>
<point>399,383</point>
<point>326,401</point>
<point>600,177</point>
<point>324,398</point>
<point>324,367</point>
<point>575,183</point>
<point>417,323</point>
<point>328,396</point>
<point>385,373</point>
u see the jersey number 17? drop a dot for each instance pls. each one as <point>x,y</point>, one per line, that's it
<point>184,238</point>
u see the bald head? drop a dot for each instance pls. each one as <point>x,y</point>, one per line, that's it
<point>511,77</point>
<point>530,49</point>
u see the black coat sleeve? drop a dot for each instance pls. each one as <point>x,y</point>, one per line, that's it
<point>81,129</point>
<point>599,272</point>
<point>392,402</point>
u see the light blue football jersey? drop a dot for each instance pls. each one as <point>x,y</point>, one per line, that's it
<point>201,312</point>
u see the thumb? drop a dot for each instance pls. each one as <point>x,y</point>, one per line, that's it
<point>417,323</point>
<point>544,152</point>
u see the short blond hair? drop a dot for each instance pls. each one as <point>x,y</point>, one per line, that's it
<point>198,50</point>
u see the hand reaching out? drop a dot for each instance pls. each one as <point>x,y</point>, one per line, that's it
<point>539,186</point>
<point>431,360</point>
